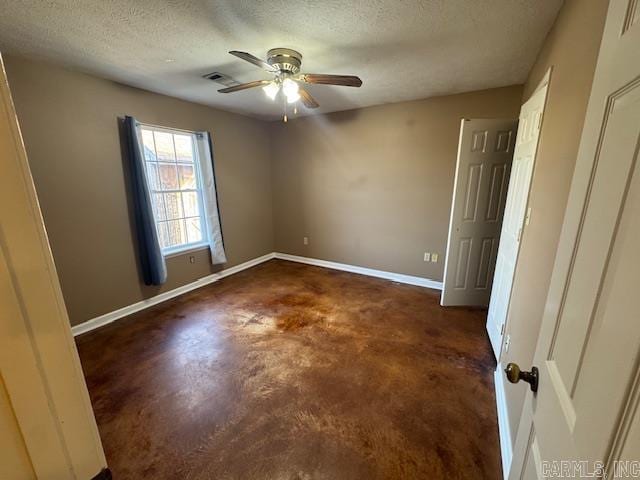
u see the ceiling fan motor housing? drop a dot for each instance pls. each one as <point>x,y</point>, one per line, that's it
<point>285,59</point>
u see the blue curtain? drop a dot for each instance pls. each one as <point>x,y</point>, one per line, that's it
<point>154,268</point>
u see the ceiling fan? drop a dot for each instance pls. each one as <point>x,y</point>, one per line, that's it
<point>284,64</point>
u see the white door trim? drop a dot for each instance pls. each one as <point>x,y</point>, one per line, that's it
<point>504,430</point>
<point>497,339</point>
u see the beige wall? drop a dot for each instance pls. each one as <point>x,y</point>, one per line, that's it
<point>372,187</point>
<point>571,48</point>
<point>69,124</point>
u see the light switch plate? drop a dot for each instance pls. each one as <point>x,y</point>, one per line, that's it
<point>434,257</point>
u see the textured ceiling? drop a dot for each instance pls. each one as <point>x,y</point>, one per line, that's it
<point>402,50</point>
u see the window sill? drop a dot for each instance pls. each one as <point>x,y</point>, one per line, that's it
<point>176,252</point>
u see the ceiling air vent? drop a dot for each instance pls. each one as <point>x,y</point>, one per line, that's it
<point>221,78</point>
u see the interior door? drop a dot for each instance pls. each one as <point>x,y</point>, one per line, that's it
<point>485,151</point>
<point>515,212</point>
<point>588,353</point>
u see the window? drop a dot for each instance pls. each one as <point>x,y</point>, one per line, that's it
<point>175,184</point>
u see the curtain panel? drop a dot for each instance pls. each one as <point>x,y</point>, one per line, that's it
<point>154,268</point>
<point>210,194</point>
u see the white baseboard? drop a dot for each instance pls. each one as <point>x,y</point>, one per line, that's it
<point>506,448</point>
<point>164,296</point>
<point>396,277</point>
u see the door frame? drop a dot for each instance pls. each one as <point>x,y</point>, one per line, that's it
<point>544,83</point>
<point>39,362</point>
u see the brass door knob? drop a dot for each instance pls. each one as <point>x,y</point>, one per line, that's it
<point>514,375</point>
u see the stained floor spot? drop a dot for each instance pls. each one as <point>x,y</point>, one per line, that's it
<point>287,371</point>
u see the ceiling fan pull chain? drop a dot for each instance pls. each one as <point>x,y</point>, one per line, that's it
<point>284,107</point>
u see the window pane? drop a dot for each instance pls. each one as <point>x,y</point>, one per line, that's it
<point>173,204</point>
<point>168,176</point>
<point>194,232</point>
<point>158,206</point>
<point>173,181</point>
<point>147,146</point>
<point>177,234</point>
<point>187,176</point>
<point>163,234</point>
<point>152,176</point>
<point>190,203</point>
<point>164,146</point>
<point>184,149</point>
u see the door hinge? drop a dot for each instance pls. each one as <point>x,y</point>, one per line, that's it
<point>502,330</point>
<point>519,234</point>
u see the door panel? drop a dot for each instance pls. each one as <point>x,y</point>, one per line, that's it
<point>497,193</point>
<point>612,320</point>
<point>484,157</point>
<point>620,139</point>
<point>462,270</point>
<point>514,214</point>
<point>586,408</point>
<point>487,259</point>
<point>473,191</point>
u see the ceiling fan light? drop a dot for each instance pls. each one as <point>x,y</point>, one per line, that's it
<point>292,97</point>
<point>290,87</point>
<point>271,90</point>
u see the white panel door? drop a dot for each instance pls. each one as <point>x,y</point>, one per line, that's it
<point>514,214</point>
<point>586,409</point>
<point>485,151</point>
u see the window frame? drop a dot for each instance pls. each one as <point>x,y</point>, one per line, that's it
<point>202,209</point>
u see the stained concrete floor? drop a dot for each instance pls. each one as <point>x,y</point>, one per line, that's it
<point>287,371</point>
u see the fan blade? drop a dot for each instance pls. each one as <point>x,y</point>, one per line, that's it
<point>244,86</point>
<point>343,80</point>
<point>307,99</point>
<point>255,60</point>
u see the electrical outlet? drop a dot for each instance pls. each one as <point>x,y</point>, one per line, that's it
<point>434,257</point>
<point>305,240</point>
<point>427,257</point>
<point>192,259</point>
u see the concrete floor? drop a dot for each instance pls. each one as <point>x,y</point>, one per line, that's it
<point>287,371</point>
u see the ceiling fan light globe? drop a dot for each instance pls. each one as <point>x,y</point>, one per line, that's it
<point>292,97</point>
<point>290,87</point>
<point>271,90</point>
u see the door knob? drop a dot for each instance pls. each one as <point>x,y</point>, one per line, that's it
<point>514,375</point>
